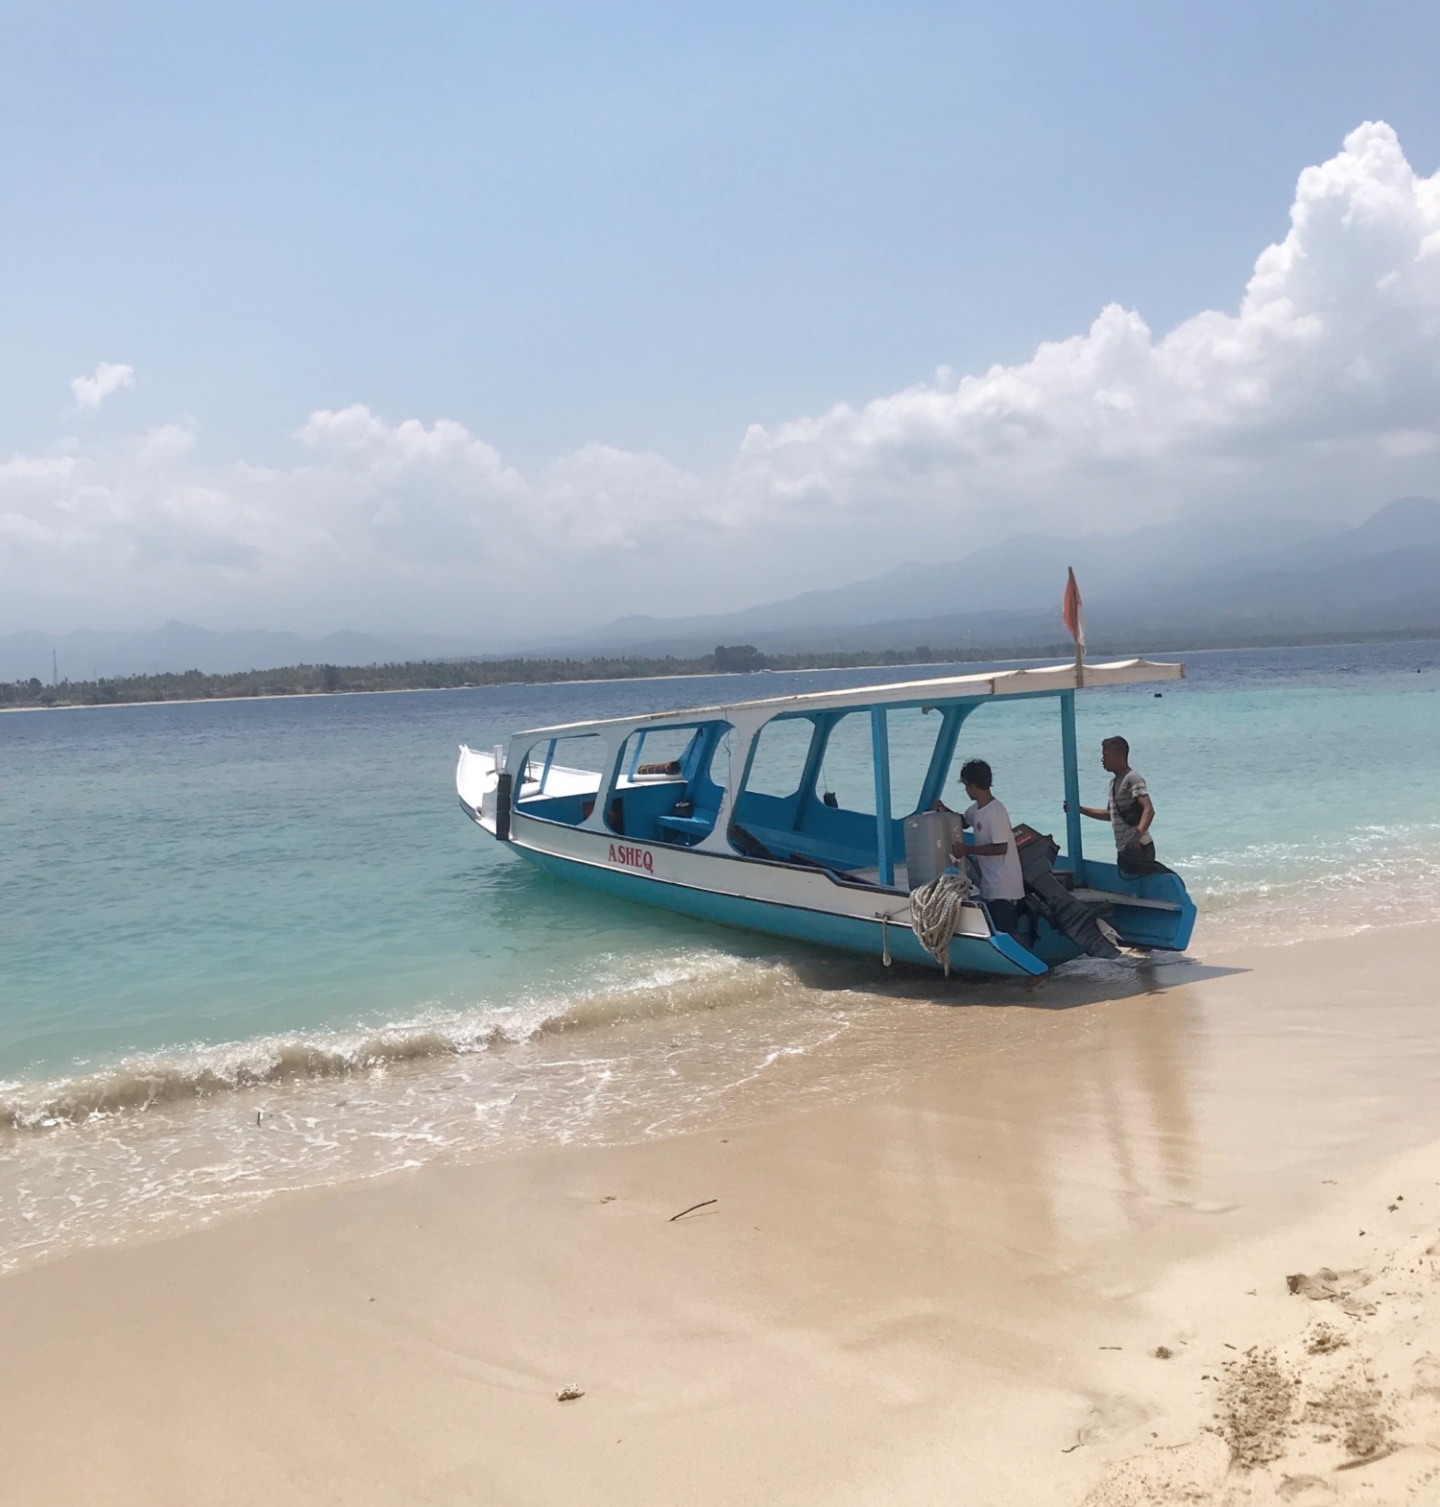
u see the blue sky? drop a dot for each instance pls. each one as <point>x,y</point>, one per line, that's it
<point>640,227</point>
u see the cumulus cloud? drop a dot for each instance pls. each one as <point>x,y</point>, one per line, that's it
<point>91,392</point>
<point>1319,393</point>
<point>412,493</point>
<point>1332,359</point>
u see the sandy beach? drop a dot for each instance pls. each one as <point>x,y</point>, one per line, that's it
<point>1041,1257</point>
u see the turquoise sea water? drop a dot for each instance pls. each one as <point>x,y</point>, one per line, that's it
<point>214,912</point>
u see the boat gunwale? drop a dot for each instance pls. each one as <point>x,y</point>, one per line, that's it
<point>837,877</point>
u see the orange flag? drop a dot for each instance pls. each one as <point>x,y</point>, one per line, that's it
<point>1073,611</point>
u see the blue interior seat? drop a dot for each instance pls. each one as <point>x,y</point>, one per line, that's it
<point>694,826</point>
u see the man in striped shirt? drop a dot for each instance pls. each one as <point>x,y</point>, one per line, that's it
<point>1129,810</point>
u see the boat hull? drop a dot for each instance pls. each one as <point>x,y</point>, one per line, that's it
<point>866,936</point>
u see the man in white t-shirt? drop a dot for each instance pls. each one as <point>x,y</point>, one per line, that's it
<point>1002,885</point>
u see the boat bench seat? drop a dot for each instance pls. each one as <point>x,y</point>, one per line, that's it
<point>687,826</point>
<point>790,846</point>
<point>1114,897</point>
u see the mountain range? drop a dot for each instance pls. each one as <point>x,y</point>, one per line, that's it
<point>1192,578</point>
<point>1192,582</point>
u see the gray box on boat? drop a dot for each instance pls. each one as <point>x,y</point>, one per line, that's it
<point>929,836</point>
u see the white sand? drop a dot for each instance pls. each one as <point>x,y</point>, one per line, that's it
<point>950,1288</point>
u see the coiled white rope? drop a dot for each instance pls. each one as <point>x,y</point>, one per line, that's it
<point>935,914</point>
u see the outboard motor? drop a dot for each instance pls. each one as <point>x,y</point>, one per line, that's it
<point>1047,898</point>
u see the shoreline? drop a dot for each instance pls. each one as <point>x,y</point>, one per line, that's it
<point>422,690</point>
<point>977,659</point>
<point>87,1150</point>
<point>910,1294</point>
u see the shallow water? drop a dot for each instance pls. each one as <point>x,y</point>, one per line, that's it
<point>256,945</point>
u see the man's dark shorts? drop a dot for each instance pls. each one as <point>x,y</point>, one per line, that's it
<point>1005,914</point>
<point>1138,860</point>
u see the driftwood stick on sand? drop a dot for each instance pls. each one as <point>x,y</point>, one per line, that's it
<point>704,1204</point>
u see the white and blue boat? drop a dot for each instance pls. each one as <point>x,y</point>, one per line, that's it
<point>721,813</point>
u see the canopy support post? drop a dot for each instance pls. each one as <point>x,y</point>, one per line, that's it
<point>810,776</point>
<point>884,832</point>
<point>1072,785</point>
<point>934,786</point>
<point>635,756</point>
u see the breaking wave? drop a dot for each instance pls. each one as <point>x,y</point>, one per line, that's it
<point>165,1140</point>
<point>1292,892</point>
<point>198,1072</point>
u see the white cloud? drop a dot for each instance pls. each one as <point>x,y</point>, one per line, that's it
<point>165,445</point>
<point>1320,393</point>
<point>91,392</point>
<point>1335,348</point>
<point>37,468</point>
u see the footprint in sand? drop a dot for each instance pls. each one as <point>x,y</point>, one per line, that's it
<point>1327,1286</point>
<point>1305,1490</point>
<point>1427,1377</point>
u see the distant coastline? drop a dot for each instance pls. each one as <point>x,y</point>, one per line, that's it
<point>447,675</point>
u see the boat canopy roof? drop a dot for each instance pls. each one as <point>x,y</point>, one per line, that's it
<point>1042,680</point>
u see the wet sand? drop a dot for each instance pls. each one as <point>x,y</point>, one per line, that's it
<point>948,1287</point>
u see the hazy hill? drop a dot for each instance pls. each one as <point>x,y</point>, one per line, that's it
<point>1017,575</point>
<point>1193,577</point>
<point>1197,580</point>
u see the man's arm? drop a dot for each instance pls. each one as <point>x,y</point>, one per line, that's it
<point>1147,815</point>
<point>999,824</point>
<point>962,849</point>
<point>1098,812</point>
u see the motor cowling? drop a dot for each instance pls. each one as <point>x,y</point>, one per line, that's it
<point>504,787</point>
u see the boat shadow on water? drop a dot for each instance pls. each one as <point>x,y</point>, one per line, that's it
<point>1085,981</point>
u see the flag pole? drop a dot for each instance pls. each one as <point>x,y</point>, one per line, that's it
<point>1072,610</point>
